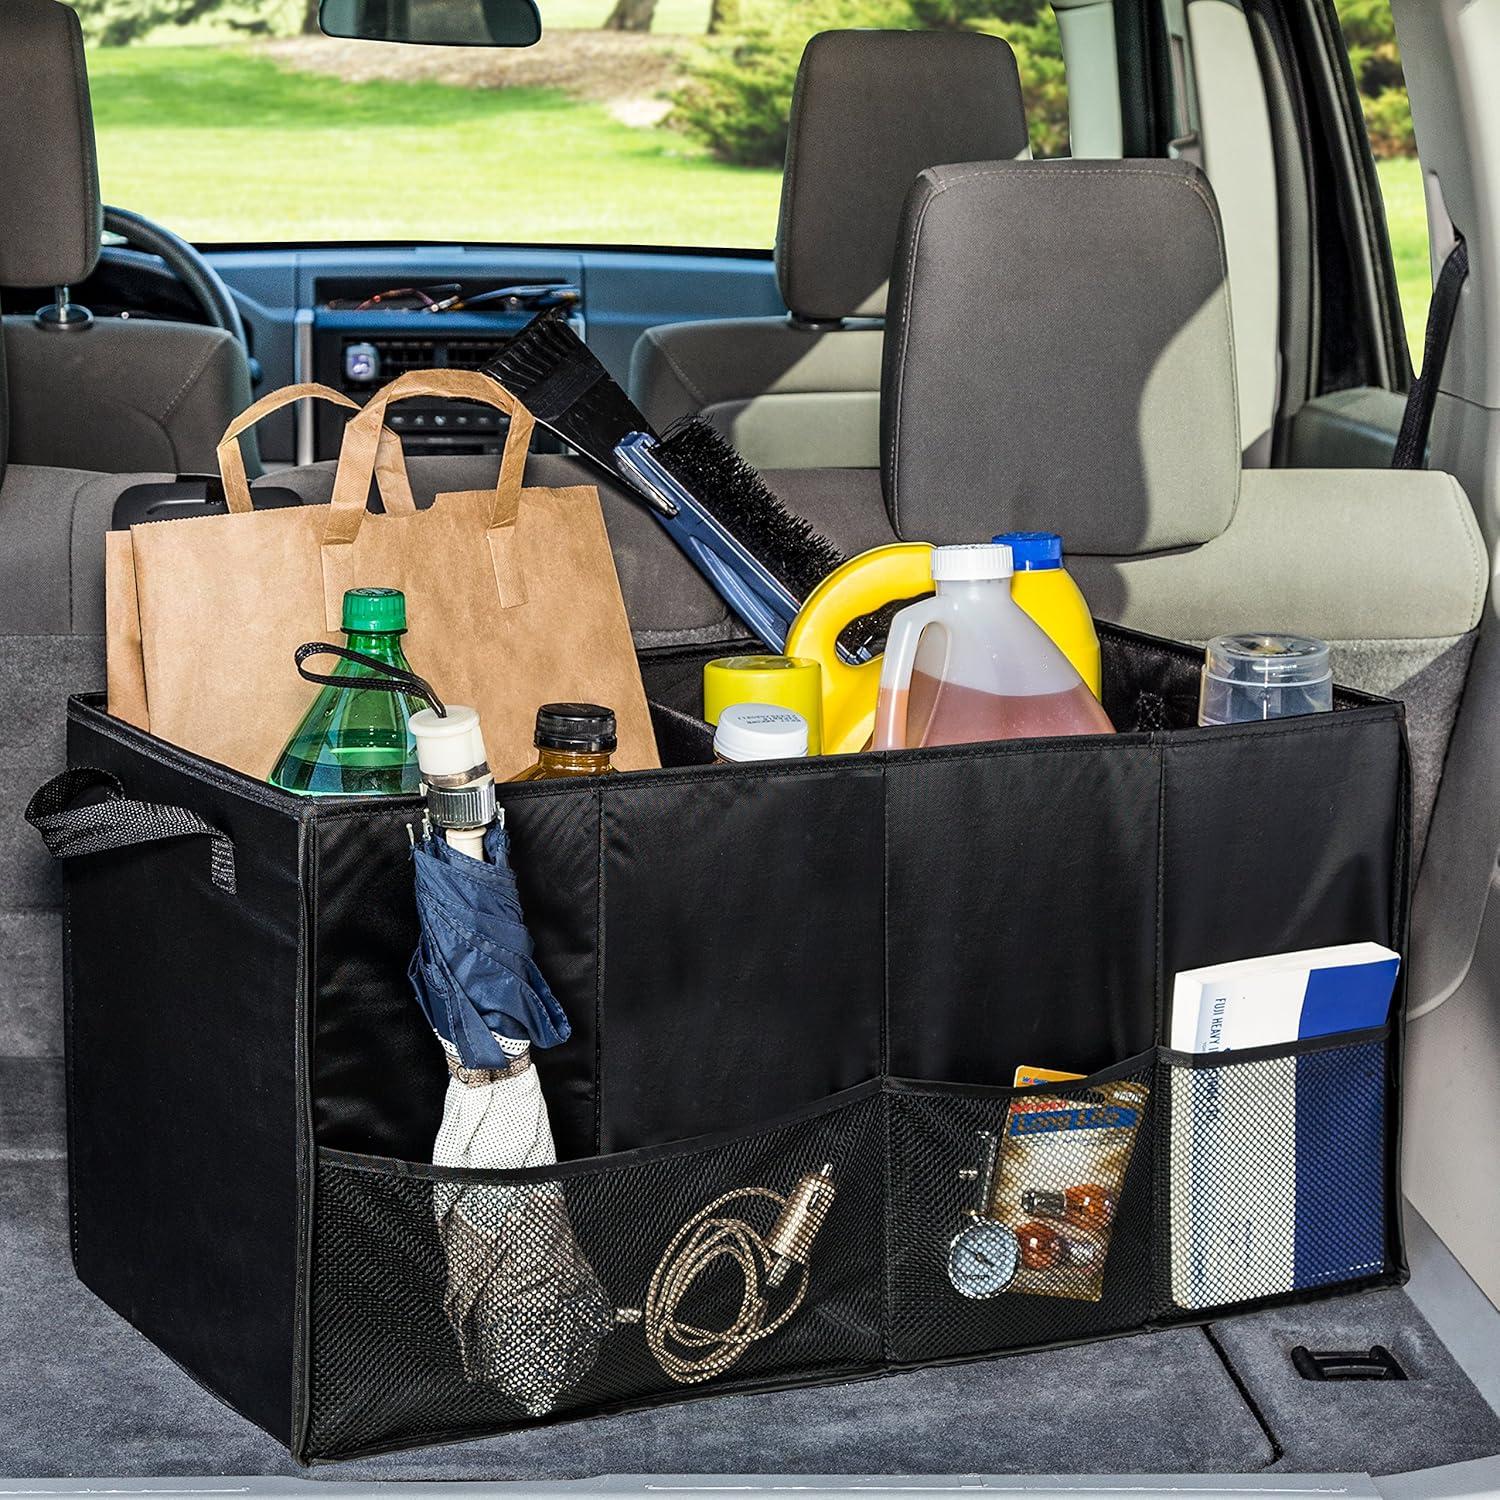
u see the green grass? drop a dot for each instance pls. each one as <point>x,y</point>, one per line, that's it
<point>1406,214</point>
<point>221,145</point>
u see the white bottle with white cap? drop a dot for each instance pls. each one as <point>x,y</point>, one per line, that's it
<point>456,776</point>
<point>759,731</point>
<point>969,664</point>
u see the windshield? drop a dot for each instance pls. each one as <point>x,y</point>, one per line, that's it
<point>632,122</point>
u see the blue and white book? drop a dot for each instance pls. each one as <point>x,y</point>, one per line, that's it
<point>1283,997</point>
<point>1277,1168</point>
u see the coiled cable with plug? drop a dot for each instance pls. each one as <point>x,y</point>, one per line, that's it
<point>690,1354</point>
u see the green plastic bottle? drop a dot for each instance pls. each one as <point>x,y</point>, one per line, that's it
<point>355,742</point>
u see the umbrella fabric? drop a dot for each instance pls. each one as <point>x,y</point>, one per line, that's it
<point>473,971</point>
<point>529,1314</point>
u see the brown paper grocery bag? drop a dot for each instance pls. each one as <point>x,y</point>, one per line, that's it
<point>512,596</point>
<point>124,664</point>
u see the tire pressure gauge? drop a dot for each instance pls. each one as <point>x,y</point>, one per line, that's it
<point>984,1254</point>
<point>982,1259</point>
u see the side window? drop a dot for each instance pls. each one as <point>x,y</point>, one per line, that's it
<point>1370,36</point>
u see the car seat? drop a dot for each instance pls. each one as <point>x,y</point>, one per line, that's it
<point>112,395</point>
<point>870,110</point>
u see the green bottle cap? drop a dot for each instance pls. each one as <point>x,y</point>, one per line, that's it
<point>374,609</point>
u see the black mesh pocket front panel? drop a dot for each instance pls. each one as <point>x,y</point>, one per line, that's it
<point>451,1304</point>
<point>1019,1217</point>
<point>1273,1174</point>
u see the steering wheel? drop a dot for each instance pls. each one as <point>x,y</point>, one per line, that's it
<point>201,281</point>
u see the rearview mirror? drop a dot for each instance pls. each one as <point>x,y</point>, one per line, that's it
<point>441,23</point>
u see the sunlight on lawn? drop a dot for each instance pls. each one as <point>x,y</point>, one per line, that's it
<point>1406,214</point>
<point>223,146</point>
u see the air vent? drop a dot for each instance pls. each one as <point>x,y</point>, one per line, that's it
<point>472,354</point>
<point>398,355</point>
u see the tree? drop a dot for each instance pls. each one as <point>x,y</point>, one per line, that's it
<point>116,23</point>
<point>1375,59</point>
<point>723,15</point>
<point>631,15</point>
<point>737,92</point>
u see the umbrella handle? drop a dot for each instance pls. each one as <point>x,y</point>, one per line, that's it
<point>114,821</point>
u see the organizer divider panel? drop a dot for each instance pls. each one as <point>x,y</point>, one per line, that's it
<point>719,1014</point>
<point>1014,935</point>
<point>1282,836</point>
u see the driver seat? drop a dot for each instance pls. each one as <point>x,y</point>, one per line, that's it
<point>112,395</point>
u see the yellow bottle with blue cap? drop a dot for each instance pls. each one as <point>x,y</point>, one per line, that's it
<point>1047,592</point>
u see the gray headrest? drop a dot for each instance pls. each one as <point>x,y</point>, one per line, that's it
<point>50,218</point>
<point>1059,357</point>
<point>871,109</point>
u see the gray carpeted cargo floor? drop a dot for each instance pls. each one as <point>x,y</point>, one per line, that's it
<point>83,1395</point>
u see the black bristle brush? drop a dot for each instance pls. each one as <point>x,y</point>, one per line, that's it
<point>558,379</point>
<point>763,560</point>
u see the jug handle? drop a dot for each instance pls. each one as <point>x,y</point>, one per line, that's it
<point>900,659</point>
<point>860,586</point>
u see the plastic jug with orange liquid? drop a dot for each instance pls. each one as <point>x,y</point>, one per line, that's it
<point>969,664</point>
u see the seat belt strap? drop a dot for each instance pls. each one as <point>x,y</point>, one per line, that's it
<point>1416,422</point>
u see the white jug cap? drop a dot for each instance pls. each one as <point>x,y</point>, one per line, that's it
<point>760,731</point>
<point>971,563</point>
<point>449,748</point>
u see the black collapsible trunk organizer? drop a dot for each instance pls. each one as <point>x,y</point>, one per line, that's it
<point>768,968</point>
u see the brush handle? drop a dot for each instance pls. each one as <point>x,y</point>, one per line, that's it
<point>737,576</point>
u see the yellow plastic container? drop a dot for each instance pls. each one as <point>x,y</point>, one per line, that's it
<point>787,681</point>
<point>862,585</point>
<point>1045,589</point>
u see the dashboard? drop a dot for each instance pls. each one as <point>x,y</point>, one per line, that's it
<point>309,316</point>
<point>327,314</point>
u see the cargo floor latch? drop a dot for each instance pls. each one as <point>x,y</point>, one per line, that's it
<point>1375,1363</point>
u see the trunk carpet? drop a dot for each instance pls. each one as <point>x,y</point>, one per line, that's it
<point>84,1395</point>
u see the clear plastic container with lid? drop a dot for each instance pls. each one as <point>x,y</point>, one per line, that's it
<point>969,664</point>
<point>1264,676</point>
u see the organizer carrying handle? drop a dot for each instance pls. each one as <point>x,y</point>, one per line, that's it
<point>71,827</point>
<point>390,471</point>
<point>359,451</point>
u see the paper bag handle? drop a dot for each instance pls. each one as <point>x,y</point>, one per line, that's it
<point>358,453</point>
<point>390,471</point>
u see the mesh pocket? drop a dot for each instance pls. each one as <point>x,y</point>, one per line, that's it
<point>457,1303</point>
<point>1019,1217</point>
<point>1273,1173</point>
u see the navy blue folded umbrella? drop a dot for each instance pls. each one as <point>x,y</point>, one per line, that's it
<point>528,1311</point>
<point>473,970</point>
